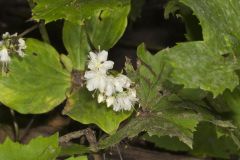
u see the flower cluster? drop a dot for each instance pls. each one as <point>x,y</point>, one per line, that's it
<point>116,91</point>
<point>9,45</point>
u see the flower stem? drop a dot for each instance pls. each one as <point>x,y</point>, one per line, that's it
<point>42,27</point>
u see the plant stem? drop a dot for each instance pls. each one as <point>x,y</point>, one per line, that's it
<point>43,31</point>
<point>42,27</point>
<point>15,125</point>
<point>28,30</point>
<point>68,137</point>
<point>91,137</point>
<point>24,133</point>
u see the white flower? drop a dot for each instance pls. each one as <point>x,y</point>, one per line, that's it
<point>98,62</point>
<point>21,47</point>
<point>6,35</point>
<point>125,100</point>
<point>4,56</point>
<point>122,81</point>
<point>95,80</point>
<point>101,98</point>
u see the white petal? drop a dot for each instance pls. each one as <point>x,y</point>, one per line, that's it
<point>118,85</point>
<point>4,57</point>
<point>101,84</point>
<point>107,65</point>
<point>90,74</point>
<point>21,44</point>
<point>101,98</point>
<point>92,55</point>
<point>102,56</point>
<point>20,53</point>
<point>91,85</point>
<point>110,101</point>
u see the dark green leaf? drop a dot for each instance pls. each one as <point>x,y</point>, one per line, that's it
<point>74,149</point>
<point>75,11</point>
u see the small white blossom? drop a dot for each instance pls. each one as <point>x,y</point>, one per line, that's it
<point>21,46</point>
<point>125,100</point>
<point>101,98</point>
<point>95,80</point>
<point>122,81</point>
<point>99,62</point>
<point>110,87</point>
<point>115,91</point>
<point>6,35</point>
<point>110,101</point>
<point>4,56</point>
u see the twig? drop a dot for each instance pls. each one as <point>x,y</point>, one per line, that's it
<point>28,30</point>
<point>91,137</point>
<point>42,27</point>
<point>73,135</point>
<point>25,131</point>
<point>15,125</point>
<point>119,152</point>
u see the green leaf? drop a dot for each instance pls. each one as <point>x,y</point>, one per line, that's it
<point>75,11</point>
<point>74,149</point>
<point>78,38</point>
<point>78,158</point>
<point>201,64</point>
<point>106,27</point>
<point>136,9</point>
<point>166,142</point>
<point>76,43</point>
<point>86,110</point>
<point>149,77</point>
<point>193,29</point>
<point>208,143</point>
<point>197,66</point>
<point>38,149</point>
<point>172,118</point>
<point>36,83</point>
<point>225,36</point>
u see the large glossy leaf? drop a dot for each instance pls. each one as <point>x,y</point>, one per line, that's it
<point>37,83</point>
<point>38,149</point>
<point>86,110</point>
<point>73,10</point>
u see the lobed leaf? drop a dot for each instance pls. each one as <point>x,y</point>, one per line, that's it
<point>75,11</point>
